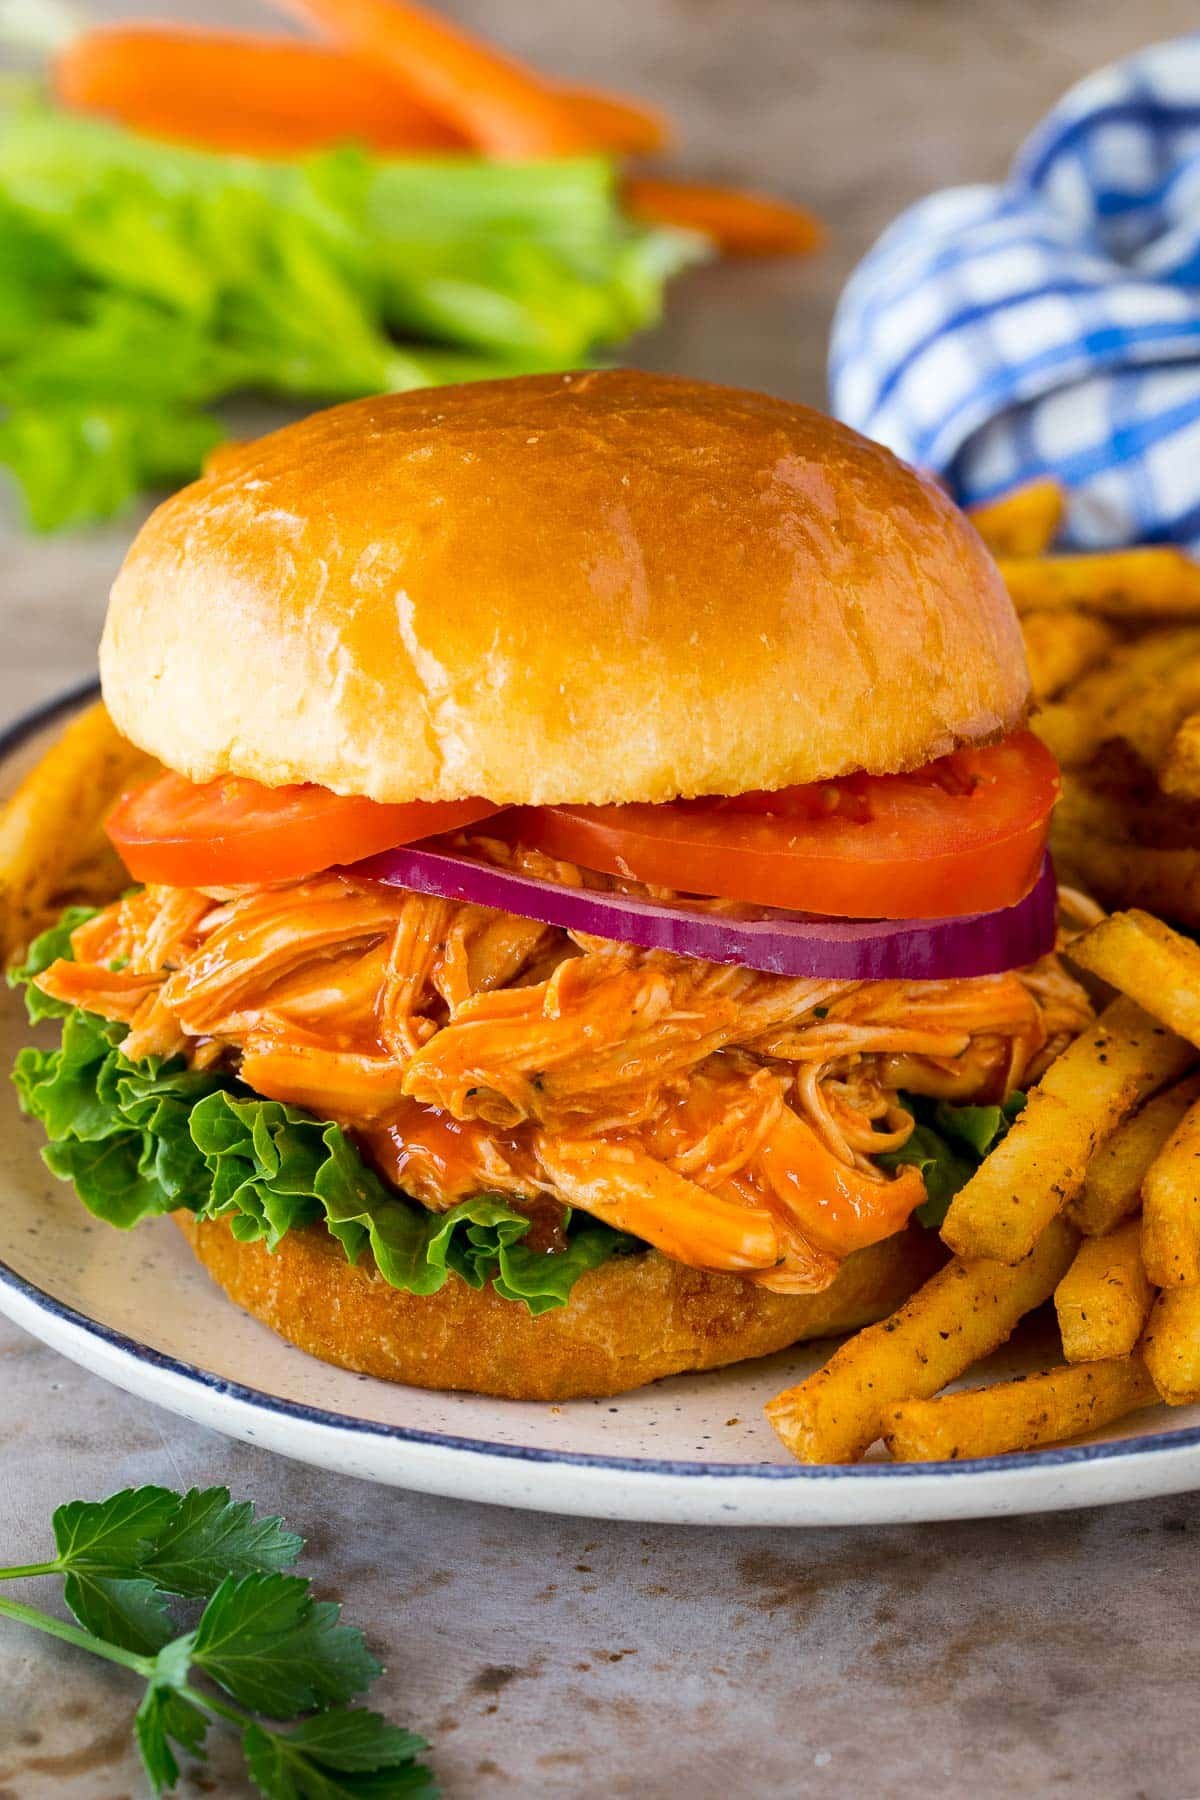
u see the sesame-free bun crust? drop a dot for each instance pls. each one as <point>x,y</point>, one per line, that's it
<point>630,1321</point>
<point>573,588</point>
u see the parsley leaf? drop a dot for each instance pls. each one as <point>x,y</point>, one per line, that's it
<point>276,1649</point>
<point>210,1537</point>
<point>112,1535</point>
<point>354,1739</point>
<point>165,1716</point>
<point>126,1610</point>
<point>262,1637</point>
<point>122,1555</point>
<point>338,1755</point>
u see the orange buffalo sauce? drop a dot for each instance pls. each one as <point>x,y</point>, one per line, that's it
<point>442,1160</point>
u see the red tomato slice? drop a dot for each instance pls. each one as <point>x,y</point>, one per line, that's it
<point>223,833</point>
<point>965,834</point>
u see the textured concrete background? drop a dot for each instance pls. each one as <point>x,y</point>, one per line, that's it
<point>565,1658</point>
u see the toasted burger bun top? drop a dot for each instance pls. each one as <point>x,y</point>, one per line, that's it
<point>574,588</point>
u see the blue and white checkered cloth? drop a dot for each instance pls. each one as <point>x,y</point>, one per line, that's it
<point>1051,325</point>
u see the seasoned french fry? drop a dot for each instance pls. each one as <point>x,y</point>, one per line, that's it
<point>1155,582</point>
<point>1040,1166</point>
<point>1171,1208</point>
<point>1060,647</point>
<point>1093,811</point>
<point>965,1312</point>
<point>1018,1415</point>
<point>50,827</point>
<point>1145,959</point>
<point>1179,769</point>
<point>1104,1299</point>
<point>1112,1187</point>
<point>1023,522</point>
<point>1172,1345</point>
<point>1067,729</point>
<point>1139,694</point>
<point>1149,721</point>
<point>1088,836</point>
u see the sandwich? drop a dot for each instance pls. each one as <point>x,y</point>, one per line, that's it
<point>594,910</point>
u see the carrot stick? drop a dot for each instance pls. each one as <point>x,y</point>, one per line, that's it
<point>237,91</point>
<point>615,123</point>
<point>741,224</point>
<point>501,107</point>
<point>270,96</point>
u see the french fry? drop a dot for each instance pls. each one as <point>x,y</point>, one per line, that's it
<point>51,847</point>
<point>1150,963</point>
<point>1018,1415</point>
<point>1155,582</point>
<point>1112,1187</point>
<point>1023,522</point>
<point>1149,717</point>
<point>1117,873</point>
<point>1060,647</point>
<point>1067,729</point>
<point>1104,1299</point>
<point>965,1312</point>
<point>1171,1208</point>
<point>1089,837</point>
<point>1038,1169</point>
<point>1179,769</point>
<point>1093,811</point>
<point>1140,694</point>
<point>1171,1345</point>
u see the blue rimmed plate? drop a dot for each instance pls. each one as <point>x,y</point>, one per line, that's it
<point>139,1311</point>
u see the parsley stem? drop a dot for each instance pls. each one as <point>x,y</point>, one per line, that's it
<point>43,1568</point>
<point>74,1634</point>
<point>212,1704</point>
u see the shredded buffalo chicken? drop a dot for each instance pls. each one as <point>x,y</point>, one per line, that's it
<point>729,1117</point>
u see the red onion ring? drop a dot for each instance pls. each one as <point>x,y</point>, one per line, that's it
<point>779,943</point>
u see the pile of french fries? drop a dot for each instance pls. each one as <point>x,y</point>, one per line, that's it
<point>1092,1200</point>
<point>1113,641</point>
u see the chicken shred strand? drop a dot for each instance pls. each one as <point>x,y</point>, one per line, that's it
<point>726,1116</point>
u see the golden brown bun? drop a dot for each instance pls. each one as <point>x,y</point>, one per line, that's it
<point>630,1321</point>
<point>598,587</point>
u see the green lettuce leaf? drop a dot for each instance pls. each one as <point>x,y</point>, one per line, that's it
<point>275,1167</point>
<point>139,1139</point>
<point>52,945</point>
<point>947,1145</point>
<point>140,283</point>
<point>980,1128</point>
<point>119,1130</point>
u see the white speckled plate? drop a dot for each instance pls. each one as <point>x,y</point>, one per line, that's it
<point>138,1310</point>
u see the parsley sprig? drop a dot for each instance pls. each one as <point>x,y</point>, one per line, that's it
<point>261,1653</point>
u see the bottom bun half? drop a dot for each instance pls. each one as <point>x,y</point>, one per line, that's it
<point>632,1320</point>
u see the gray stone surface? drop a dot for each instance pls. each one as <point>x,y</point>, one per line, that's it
<point>564,1658</point>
